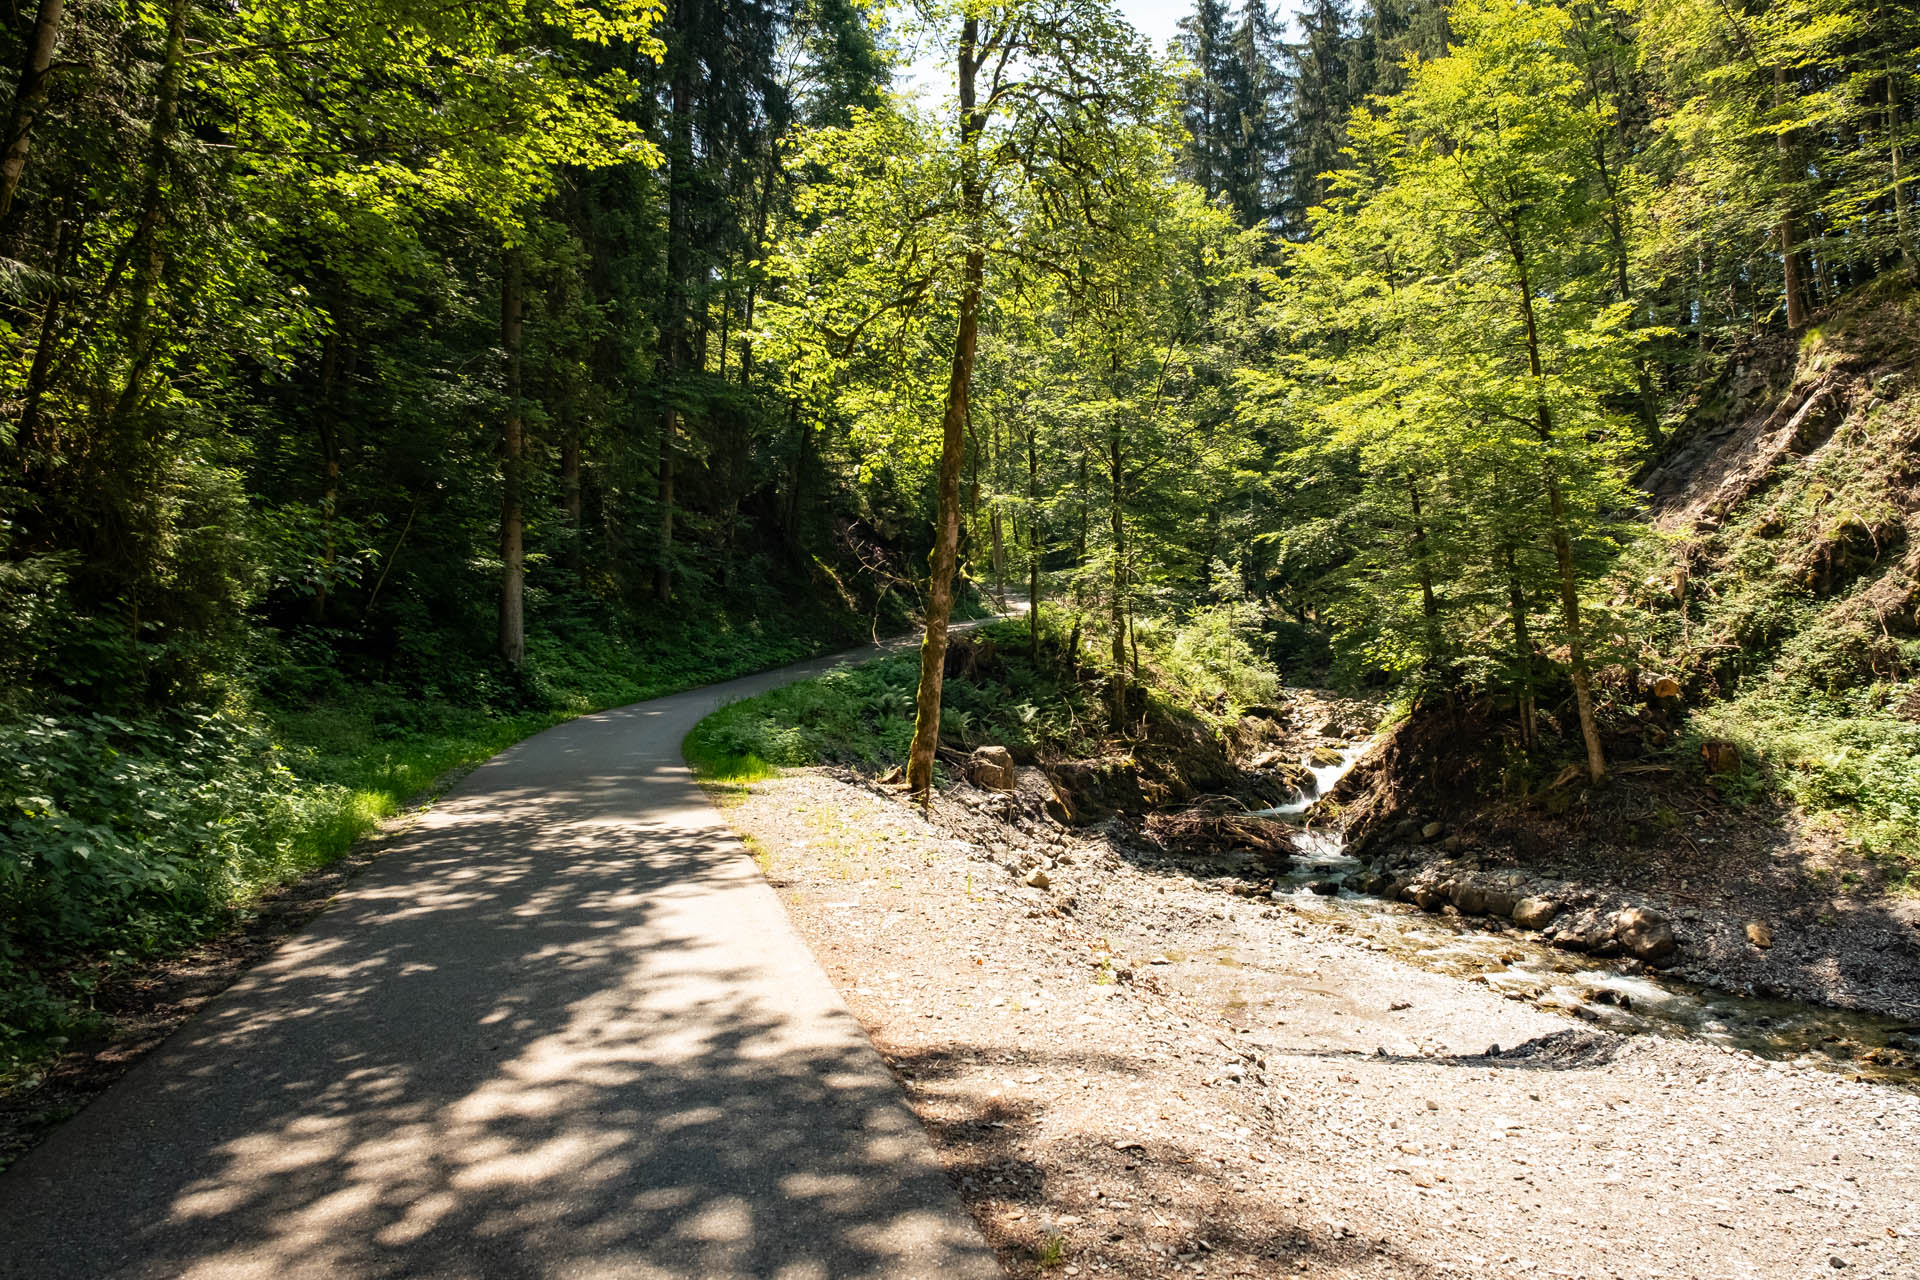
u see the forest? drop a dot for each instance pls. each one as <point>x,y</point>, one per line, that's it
<point>386,380</point>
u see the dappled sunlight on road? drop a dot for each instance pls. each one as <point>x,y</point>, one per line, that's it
<point>565,1029</point>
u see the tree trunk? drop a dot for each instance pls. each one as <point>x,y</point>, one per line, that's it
<point>946,539</point>
<point>994,530</point>
<point>144,249</point>
<point>513,632</point>
<point>1033,545</point>
<point>25,436</point>
<point>570,487</point>
<point>29,95</point>
<point>1562,542</point>
<point>327,429</point>
<point>1902,218</point>
<point>1117,604</point>
<point>1429,603</point>
<point>1789,249</point>
<point>1576,642</point>
<point>676,342</point>
<point>1522,649</point>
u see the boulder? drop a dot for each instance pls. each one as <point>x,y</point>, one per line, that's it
<point>1325,888</point>
<point>1470,898</point>
<point>1758,934</point>
<point>1644,934</point>
<point>991,768</point>
<point>1324,757</point>
<point>1501,902</point>
<point>1535,913</point>
<point>1433,830</point>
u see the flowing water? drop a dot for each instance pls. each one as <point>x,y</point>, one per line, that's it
<point>1515,963</point>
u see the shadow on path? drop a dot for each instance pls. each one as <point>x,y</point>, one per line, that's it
<point>563,1030</point>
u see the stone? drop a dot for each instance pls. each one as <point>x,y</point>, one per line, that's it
<point>1325,888</point>
<point>1470,898</point>
<point>1535,913</point>
<point>1323,757</point>
<point>1666,687</point>
<point>1586,930</point>
<point>1501,902</point>
<point>1759,934</point>
<point>1037,879</point>
<point>1644,934</point>
<point>1406,829</point>
<point>991,768</point>
<point>1433,830</point>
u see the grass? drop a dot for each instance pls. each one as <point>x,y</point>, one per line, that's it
<point>864,714</point>
<point>1848,760</point>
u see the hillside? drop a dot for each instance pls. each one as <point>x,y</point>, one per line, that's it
<point>1764,719</point>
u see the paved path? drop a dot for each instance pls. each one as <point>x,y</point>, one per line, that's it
<point>564,1028</point>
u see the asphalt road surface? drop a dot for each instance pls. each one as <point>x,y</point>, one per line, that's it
<point>562,1029</point>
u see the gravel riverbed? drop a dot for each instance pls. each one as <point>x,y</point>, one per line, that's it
<point>1131,1071</point>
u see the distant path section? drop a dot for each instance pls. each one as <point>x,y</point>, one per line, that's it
<point>562,1029</point>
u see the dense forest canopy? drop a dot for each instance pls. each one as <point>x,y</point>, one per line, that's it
<point>382,357</point>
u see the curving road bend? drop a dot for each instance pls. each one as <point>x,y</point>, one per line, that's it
<point>562,1029</point>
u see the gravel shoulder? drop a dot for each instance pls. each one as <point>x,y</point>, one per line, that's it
<point>1130,1071</point>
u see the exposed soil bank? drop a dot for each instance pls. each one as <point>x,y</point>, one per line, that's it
<point>1760,903</point>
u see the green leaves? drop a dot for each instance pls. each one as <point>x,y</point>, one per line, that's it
<point>1450,328</point>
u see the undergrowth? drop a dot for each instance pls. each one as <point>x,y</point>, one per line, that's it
<point>864,714</point>
<point>1847,759</point>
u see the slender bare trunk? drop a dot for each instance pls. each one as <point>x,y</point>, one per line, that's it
<point>326,428</point>
<point>675,340</point>
<point>1117,605</point>
<point>513,632</point>
<point>1789,248</point>
<point>1562,543</point>
<point>1429,603</point>
<point>25,437</point>
<point>1522,648</point>
<point>29,95</point>
<point>570,487</point>
<point>144,250</point>
<point>1033,545</point>
<point>1903,229</point>
<point>946,539</point>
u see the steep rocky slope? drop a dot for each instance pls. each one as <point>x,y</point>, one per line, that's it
<point>1761,711</point>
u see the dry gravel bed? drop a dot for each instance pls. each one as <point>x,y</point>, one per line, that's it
<point>1130,1072</point>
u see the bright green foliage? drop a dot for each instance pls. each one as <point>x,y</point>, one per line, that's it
<point>864,714</point>
<point>1452,333</point>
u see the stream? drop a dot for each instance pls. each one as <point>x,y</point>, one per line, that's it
<point>1600,991</point>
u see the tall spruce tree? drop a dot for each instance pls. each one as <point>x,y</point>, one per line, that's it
<point>1322,70</point>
